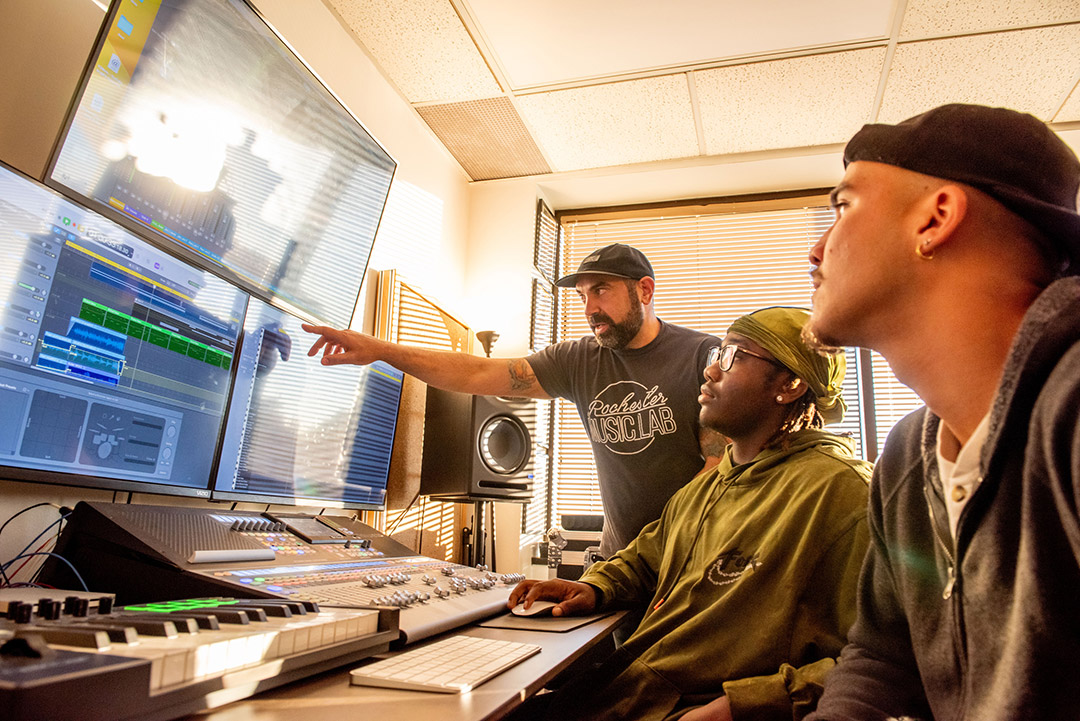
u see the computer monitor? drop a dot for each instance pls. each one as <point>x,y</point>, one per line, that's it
<point>301,433</point>
<point>196,122</point>
<point>115,357</point>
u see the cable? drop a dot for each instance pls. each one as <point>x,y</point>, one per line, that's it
<point>3,574</point>
<point>56,555</point>
<point>28,508</point>
<point>56,541</point>
<point>44,543</point>
<point>403,513</point>
<point>27,548</point>
<point>420,530</point>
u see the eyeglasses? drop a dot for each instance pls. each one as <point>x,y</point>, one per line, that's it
<point>725,354</point>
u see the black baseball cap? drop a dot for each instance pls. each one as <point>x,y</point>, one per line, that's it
<point>1013,157</point>
<point>616,259</point>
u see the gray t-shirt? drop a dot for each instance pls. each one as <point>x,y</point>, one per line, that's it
<point>639,407</point>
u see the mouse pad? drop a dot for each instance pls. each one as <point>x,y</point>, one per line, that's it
<point>541,623</point>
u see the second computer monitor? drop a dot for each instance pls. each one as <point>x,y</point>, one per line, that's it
<point>302,433</point>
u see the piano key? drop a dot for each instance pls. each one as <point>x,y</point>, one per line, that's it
<point>70,636</point>
<point>117,632</point>
<point>204,621</point>
<point>182,624</point>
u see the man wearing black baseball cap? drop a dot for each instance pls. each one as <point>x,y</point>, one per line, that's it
<point>954,253</point>
<point>635,382</point>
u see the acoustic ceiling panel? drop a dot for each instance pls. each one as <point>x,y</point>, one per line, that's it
<point>797,102</point>
<point>1029,70</point>
<point>573,42</point>
<point>422,47</point>
<point>935,18</point>
<point>634,121</point>
<point>486,137</point>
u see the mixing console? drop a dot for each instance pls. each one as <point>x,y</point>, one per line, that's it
<point>153,553</point>
<point>434,596</point>
<point>165,660</point>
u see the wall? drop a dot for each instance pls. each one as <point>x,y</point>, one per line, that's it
<point>44,45</point>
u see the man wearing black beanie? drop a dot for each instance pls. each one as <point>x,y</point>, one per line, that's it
<point>954,253</point>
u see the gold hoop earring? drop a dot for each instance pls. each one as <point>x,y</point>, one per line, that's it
<point>922,253</point>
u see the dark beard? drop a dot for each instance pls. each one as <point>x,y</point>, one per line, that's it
<point>618,335</point>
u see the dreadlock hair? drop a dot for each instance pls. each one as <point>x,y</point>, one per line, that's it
<point>802,414</point>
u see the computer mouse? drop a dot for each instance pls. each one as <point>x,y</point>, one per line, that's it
<point>539,608</point>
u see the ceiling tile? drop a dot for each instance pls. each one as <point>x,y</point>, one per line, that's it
<point>790,103</point>
<point>1029,70</point>
<point>486,137</point>
<point>1071,110</point>
<point>423,48</point>
<point>934,18</point>
<point>561,41</point>
<point>635,121</point>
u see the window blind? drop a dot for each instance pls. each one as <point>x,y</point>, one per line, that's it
<point>407,316</point>
<point>536,516</point>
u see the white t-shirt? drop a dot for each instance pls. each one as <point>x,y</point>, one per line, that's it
<point>961,477</point>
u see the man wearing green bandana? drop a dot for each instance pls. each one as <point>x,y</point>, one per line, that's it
<point>748,578</point>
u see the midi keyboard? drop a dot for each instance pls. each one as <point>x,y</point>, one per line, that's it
<point>166,660</point>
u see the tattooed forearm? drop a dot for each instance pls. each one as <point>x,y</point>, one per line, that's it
<point>522,378</point>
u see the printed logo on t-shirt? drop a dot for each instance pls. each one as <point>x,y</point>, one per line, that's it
<point>730,566</point>
<point>626,416</point>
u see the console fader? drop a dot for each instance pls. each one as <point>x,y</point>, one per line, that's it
<point>156,553</point>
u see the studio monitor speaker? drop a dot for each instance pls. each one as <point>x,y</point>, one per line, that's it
<point>476,447</point>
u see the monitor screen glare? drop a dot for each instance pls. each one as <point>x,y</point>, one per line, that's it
<point>302,433</point>
<point>199,124</point>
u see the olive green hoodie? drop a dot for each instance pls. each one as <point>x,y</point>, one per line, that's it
<point>749,578</point>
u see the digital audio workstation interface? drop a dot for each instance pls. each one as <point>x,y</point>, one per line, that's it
<point>115,358</point>
<point>197,124</point>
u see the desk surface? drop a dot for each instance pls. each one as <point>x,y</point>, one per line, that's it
<point>330,695</point>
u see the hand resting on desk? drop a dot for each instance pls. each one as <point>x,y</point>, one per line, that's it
<point>573,598</point>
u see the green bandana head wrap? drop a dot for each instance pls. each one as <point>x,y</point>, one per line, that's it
<point>779,331</point>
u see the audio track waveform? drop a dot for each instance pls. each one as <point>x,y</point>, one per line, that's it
<point>162,337</point>
<point>88,352</point>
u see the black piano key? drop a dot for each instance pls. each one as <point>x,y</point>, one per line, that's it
<point>205,622</point>
<point>257,615</point>
<point>182,624</point>
<point>73,636</point>
<point>117,632</point>
<point>272,608</point>
<point>152,626</point>
<point>223,615</point>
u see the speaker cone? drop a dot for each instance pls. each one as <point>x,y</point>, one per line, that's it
<point>504,445</point>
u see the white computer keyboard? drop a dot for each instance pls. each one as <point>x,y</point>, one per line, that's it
<point>453,665</point>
